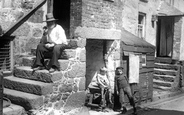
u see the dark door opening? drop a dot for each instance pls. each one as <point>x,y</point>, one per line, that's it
<point>61,11</point>
<point>165,37</point>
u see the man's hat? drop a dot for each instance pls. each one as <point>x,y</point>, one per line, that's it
<point>50,17</point>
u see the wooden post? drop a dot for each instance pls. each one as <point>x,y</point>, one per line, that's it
<point>50,6</point>
<point>11,56</point>
<point>1,93</point>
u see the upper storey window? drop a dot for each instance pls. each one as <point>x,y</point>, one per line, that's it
<point>141,25</point>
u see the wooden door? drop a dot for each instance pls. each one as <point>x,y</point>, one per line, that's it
<point>166,37</point>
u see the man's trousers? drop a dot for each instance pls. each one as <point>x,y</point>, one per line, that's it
<point>54,54</point>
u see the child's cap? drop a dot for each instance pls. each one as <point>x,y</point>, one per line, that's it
<point>103,69</point>
<point>119,68</point>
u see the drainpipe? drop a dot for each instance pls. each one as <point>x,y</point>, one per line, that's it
<point>1,93</point>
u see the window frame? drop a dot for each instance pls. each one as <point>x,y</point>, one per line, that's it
<point>141,26</point>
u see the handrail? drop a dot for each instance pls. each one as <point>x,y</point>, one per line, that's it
<point>12,28</point>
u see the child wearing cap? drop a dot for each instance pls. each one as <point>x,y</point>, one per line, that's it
<point>122,87</point>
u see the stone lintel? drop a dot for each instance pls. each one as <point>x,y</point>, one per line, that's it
<point>97,33</point>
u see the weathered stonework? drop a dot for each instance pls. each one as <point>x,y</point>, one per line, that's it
<point>177,38</point>
<point>78,70</point>
<point>68,91</point>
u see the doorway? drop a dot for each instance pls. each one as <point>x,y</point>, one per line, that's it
<point>61,11</point>
<point>165,36</point>
<point>95,53</point>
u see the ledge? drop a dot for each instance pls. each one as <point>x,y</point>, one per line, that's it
<point>97,33</point>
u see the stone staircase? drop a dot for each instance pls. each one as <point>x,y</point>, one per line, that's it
<point>41,89</point>
<point>166,76</point>
<point>26,88</point>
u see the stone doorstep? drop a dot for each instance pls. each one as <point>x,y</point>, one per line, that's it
<point>40,75</point>
<point>14,110</point>
<point>26,100</point>
<point>162,88</point>
<point>164,77</point>
<point>29,86</point>
<point>162,83</point>
<point>166,66</point>
<point>165,72</point>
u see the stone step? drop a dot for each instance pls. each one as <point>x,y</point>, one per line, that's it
<point>166,66</point>
<point>14,110</point>
<point>165,60</point>
<point>40,75</point>
<point>7,73</point>
<point>162,87</point>
<point>162,83</point>
<point>72,44</point>
<point>28,86</point>
<point>26,100</point>
<point>28,61</point>
<point>164,77</point>
<point>165,72</point>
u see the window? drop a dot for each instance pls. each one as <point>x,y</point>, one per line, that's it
<point>141,25</point>
<point>143,60</point>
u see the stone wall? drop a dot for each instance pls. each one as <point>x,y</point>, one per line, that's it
<point>103,14</point>
<point>179,4</point>
<point>177,37</point>
<point>76,15</point>
<point>68,93</point>
<point>30,32</point>
<point>130,13</point>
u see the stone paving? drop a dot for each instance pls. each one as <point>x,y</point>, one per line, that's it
<point>159,97</point>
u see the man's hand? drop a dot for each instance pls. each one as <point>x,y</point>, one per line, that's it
<point>48,45</point>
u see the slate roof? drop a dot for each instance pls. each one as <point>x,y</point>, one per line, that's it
<point>131,40</point>
<point>165,9</point>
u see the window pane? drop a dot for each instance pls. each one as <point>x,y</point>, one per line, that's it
<point>141,19</point>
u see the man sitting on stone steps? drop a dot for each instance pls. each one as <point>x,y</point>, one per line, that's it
<point>54,41</point>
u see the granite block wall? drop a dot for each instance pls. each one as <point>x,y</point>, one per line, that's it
<point>29,33</point>
<point>177,37</point>
<point>103,14</point>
